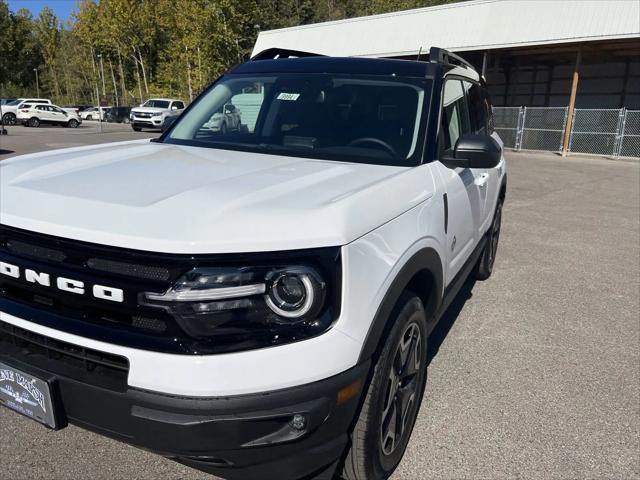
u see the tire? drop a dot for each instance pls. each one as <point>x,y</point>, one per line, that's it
<point>484,268</point>
<point>375,449</point>
<point>73,123</point>
<point>34,122</point>
<point>126,120</point>
<point>136,129</point>
<point>9,118</point>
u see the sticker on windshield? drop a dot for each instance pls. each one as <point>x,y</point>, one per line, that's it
<point>292,97</point>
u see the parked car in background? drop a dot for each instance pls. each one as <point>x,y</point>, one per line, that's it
<point>94,113</point>
<point>9,110</point>
<point>118,115</point>
<point>4,101</point>
<point>33,115</point>
<point>225,119</point>
<point>152,113</point>
<point>76,108</point>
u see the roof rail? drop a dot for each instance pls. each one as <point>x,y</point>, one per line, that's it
<point>273,53</point>
<point>440,55</point>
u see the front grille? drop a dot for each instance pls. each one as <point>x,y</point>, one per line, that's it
<point>142,115</point>
<point>83,364</point>
<point>126,323</point>
<point>146,272</point>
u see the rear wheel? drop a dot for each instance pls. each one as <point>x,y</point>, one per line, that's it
<point>73,123</point>
<point>485,264</point>
<point>125,120</point>
<point>391,406</point>
<point>89,117</point>
<point>9,118</point>
<point>34,122</point>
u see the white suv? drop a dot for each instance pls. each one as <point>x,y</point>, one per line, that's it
<point>154,112</point>
<point>94,113</point>
<point>9,111</point>
<point>256,302</point>
<point>34,115</point>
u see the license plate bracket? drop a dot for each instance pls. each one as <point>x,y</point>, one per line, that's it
<point>29,395</point>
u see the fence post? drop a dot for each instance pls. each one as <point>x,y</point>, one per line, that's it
<point>622,120</point>
<point>564,127</point>
<point>522,114</point>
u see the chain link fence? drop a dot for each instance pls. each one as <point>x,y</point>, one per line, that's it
<point>507,121</point>
<point>629,141</point>
<point>610,132</point>
<point>595,131</point>
<point>543,128</point>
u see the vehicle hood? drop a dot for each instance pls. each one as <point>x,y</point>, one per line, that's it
<point>149,110</point>
<point>179,199</point>
<point>9,108</point>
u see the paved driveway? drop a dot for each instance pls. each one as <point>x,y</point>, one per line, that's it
<point>535,373</point>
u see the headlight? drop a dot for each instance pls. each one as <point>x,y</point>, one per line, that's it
<point>229,308</point>
<point>294,292</point>
<point>157,114</point>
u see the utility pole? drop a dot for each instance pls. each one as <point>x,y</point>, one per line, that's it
<point>104,90</point>
<point>37,83</point>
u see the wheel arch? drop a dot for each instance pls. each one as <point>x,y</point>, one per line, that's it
<point>423,275</point>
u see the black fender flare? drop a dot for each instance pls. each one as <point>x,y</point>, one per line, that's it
<point>426,259</point>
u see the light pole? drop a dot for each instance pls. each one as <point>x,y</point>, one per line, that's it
<point>37,83</point>
<point>104,90</point>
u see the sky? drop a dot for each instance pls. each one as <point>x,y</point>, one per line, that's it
<point>62,8</point>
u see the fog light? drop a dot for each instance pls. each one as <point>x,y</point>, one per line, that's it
<point>298,422</point>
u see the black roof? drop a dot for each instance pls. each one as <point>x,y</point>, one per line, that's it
<point>345,65</point>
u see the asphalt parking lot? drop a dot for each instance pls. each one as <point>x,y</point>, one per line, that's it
<point>535,373</point>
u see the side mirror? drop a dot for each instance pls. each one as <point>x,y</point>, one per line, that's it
<point>168,121</point>
<point>475,151</point>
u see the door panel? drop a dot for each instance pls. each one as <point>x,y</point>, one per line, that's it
<point>466,187</point>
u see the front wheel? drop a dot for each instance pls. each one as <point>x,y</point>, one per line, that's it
<point>136,129</point>
<point>9,119</point>
<point>34,122</point>
<point>488,258</point>
<point>393,399</point>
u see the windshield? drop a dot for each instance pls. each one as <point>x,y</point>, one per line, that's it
<point>336,117</point>
<point>156,104</point>
<point>15,102</point>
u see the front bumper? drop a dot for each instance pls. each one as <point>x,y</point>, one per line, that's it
<point>235,437</point>
<point>152,122</point>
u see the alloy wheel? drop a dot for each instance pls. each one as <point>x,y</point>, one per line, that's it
<point>402,389</point>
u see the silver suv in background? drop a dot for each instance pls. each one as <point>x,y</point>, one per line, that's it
<point>153,112</point>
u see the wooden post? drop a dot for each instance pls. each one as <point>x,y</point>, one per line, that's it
<point>572,103</point>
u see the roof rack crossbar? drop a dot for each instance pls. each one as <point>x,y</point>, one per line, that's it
<point>273,53</point>
<point>440,55</point>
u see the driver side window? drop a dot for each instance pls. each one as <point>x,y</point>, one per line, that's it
<point>455,115</point>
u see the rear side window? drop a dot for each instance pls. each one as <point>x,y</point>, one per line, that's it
<point>455,115</point>
<point>178,105</point>
<point>479,109</point>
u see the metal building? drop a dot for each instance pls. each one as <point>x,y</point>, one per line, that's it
<point>564,75</point>
<point>527,49</point>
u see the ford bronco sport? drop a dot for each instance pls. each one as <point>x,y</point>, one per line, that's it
<point>254,302</point>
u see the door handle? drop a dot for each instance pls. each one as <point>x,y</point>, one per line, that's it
<point>481,181</point>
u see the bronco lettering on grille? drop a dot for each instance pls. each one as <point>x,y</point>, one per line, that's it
<point>65,284</point>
